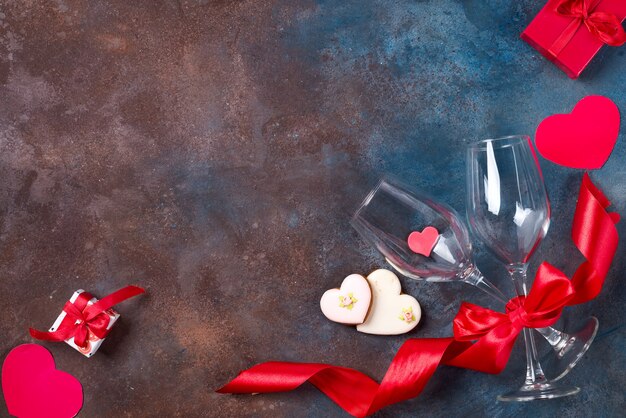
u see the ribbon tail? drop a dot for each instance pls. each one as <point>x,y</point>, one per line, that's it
<point>111,300</point>
<point>57,336</point>
<point>348,388</point>
<point>410,370</point>
<point>64,333</point>
<point>490,354</point>
<point>595,235</point>
<point>66,328</point>
<point>358,394</point>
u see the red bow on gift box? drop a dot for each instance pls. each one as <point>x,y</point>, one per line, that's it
<point>82,319</point>
<point>594,234</point>
<point>604,26</point>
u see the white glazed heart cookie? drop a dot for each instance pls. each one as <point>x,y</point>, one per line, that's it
<point>348,304</point>
<point>391,312</point>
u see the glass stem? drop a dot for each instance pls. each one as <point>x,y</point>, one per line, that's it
<point>557,339</point>
<point>534,372</point>
<point>476,278</point>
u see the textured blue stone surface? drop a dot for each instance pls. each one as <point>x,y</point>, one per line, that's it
<point>213,151</point>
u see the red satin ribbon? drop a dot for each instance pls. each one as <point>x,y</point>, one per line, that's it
<point>594,234</point>
<point>604,26</point>
<point>81,319</point>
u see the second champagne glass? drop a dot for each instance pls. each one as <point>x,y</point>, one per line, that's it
<point>508,210</point>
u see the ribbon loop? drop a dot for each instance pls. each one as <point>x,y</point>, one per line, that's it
<point>473,321</point>
<point>606,27</point>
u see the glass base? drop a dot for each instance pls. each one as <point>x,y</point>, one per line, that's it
<point>568,356</point>
<point>535,391</point>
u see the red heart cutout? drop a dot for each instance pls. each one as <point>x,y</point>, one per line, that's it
<point>34,388</point>
<point>581,139</point>
<point>423,242</point>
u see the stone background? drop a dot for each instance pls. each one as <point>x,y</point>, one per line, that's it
<point>213,151</point>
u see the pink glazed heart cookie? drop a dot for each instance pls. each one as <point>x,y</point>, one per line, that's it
<point>34,388</point>
<point>582,139</point>
<point>350,303</point>
<point>423,242</point>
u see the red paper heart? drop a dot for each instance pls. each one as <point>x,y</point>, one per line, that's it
<point>34,388</point>
<point>581,139</point>
<point>423,242</point>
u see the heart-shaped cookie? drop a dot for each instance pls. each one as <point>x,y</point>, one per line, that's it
<point>348,304</point>
<point>34,388</point>
<point>582,139</point>
<point>391,312</point>
<point>423,242</point>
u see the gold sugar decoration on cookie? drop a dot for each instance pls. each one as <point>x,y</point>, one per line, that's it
<point>407,315</point>
<point>347,301</point>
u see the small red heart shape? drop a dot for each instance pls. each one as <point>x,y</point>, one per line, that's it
<point>423,242</point>
<point>582,139</point>
<point>34,388</point>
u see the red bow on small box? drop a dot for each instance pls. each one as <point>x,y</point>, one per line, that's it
<point>81,318</point>
<point>604,26</point>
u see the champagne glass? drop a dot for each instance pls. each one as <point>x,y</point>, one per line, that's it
<point>391,212</point>
<point>508,210</point>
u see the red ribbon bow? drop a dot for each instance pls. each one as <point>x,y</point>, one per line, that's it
<point>594,234</point>
<point>81,319</point>
<point>541,308</point>
<point>496,331</point>
<point>604,26</point>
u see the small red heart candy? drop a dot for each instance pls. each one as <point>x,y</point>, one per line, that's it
<point>423,242</point>
<point>582,139</point>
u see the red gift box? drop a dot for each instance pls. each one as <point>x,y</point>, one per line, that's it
<point>571,32</point>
